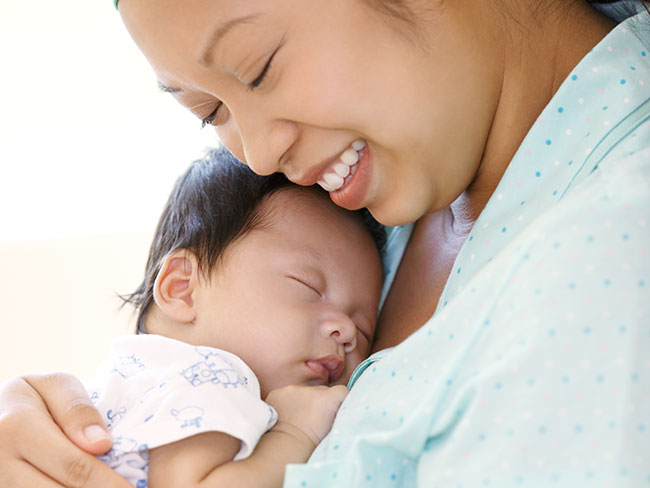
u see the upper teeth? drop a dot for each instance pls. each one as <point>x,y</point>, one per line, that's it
<point>334,176</point>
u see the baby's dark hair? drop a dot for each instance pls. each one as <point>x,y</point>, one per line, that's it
<point>212,204</point>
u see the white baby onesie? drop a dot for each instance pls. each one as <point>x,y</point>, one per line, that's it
<point>152,391</point>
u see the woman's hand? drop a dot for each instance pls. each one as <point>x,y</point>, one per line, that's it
<point>42,417</point>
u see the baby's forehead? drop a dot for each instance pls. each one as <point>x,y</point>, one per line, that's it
<point>304,221</point>
<point>312,202</point>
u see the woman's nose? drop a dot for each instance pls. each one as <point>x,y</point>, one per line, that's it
<point>259,140</point>
<point>342,330</point>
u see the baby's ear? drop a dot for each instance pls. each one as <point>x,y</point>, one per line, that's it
<point>175,284</point>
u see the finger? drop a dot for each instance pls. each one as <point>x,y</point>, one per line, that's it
<point>65,463</point>
<point>30,439</point>
<point>24,475</point>
<point>71,409</point>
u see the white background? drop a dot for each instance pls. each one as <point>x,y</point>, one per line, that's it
<point>89,150</point>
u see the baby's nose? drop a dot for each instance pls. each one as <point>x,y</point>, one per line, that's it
<point>342,330</point>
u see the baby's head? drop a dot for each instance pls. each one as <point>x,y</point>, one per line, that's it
<point>270,271</point>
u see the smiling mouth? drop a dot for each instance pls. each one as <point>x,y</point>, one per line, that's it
<point>340,172</point>
<point>328,369</point>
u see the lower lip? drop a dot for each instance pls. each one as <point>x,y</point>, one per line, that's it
<point>319,370</point>
<point>354,192</point>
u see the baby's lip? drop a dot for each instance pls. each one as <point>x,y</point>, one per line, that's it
<point>327,368</point>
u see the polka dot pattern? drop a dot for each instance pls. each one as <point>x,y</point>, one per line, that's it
<point>535,368</point>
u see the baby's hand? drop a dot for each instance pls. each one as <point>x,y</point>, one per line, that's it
<point>306,411</point>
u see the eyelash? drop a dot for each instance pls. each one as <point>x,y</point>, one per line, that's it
<point>304,283</point>
<point>210,118</point>
<point>252,85</point>
<point>260,78</point>
<point>363,334</point>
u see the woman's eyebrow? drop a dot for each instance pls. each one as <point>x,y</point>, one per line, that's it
<point>221,31</point>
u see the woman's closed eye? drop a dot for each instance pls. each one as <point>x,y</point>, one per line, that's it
<point>267,66</point>
<point>210,118</point>
<point>260,78</point>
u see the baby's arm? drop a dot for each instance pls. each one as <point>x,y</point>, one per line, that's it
<point>305,415</point>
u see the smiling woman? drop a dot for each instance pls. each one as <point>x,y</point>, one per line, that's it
<point>274,58</point>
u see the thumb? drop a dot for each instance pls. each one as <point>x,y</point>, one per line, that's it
<point>72,410</point>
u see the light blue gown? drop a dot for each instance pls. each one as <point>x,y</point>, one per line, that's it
<point>534,370</point>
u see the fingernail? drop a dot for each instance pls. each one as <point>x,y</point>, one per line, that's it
<point>95,433</point>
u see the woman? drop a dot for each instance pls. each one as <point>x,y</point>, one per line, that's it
<point>515,134</point>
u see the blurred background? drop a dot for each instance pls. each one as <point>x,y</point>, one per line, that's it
<point>89,151</point>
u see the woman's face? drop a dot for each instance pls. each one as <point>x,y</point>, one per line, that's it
<point>290,86</point>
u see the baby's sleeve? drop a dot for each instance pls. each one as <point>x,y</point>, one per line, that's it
<point>155,390</point>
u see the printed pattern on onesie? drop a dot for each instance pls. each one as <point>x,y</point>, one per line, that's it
<point>152,391</point>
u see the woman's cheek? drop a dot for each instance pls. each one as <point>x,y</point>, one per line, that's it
<point>229,137</point>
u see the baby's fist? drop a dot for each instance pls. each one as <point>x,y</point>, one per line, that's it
<point>309,409</point>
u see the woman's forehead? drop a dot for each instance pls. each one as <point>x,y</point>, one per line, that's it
<point>174,35</point>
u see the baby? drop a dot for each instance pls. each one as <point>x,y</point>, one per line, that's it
<point>254,289</point>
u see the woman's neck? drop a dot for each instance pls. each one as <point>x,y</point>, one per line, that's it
<point>538,53</point>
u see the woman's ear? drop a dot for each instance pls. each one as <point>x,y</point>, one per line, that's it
<point>175,284</point>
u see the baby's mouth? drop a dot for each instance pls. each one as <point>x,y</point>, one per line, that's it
<point>335,177</point>
<point>328,368</point>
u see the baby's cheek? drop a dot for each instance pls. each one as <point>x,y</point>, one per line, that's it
<point>363,348</point>
<point>352,361</point>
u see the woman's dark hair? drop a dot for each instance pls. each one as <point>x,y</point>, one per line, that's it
<point>401,10</point>
<point>212,204</point>
<point>644,3</point>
